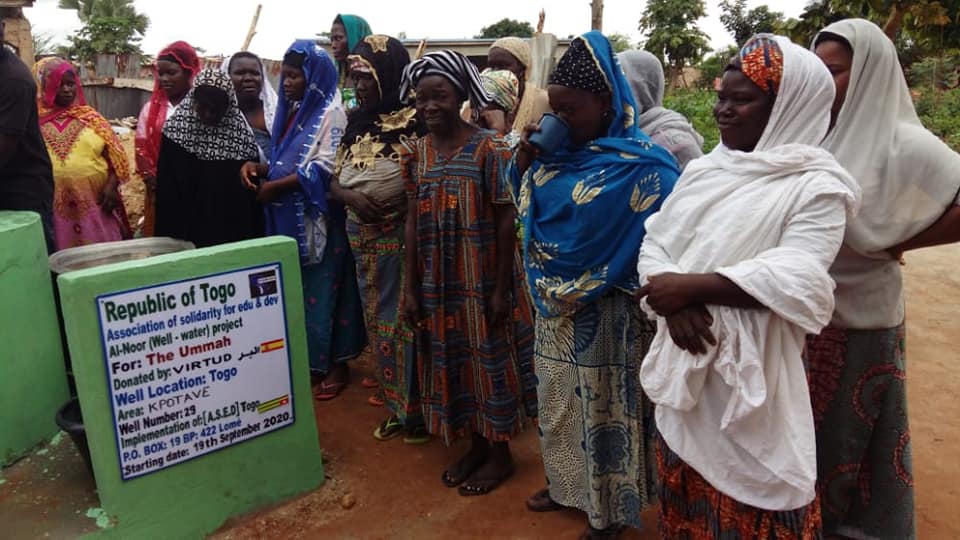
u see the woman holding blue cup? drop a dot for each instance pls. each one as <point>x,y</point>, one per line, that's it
<point>584,181</point>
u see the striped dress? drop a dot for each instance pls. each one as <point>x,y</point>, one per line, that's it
<point>474,378</point>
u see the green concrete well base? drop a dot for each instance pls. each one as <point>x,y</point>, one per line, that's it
<point>192,498</point>
<point>33,383</point>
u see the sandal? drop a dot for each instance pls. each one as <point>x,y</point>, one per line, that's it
<point>369,382</point>
<point>389,429</point>
<point>474,487</point>
<point>327,391</point>
<point>542,502</point>
<point>416,435</point>
<point>375,400</point>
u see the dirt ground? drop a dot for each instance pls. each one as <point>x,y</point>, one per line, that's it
<point>396,491</point>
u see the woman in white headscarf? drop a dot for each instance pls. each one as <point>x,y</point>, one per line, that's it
<point>910,182</point>
<point>257,98</point>
<point>667,128</point>
<point>736,271</point>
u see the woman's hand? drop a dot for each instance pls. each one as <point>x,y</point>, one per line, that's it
<point>369,209</point>
<point>690,328</point>
<point>495,119</point>
<point>666,293</point>
<point>109,198</point>
<point>499,308</point>
<point>896,253</point>
<point>527,153</point>
<point>268,192</point>
<point>412,311</point>
<point>251,173</point>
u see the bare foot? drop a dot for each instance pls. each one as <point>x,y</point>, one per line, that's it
<point>498,467</point>
<point>466,465</point>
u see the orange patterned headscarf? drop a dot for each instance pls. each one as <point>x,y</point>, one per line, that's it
<point>761,60</point>
<point>54,118</point>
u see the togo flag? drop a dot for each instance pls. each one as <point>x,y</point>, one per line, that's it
<point>269,346</point>
<point>273,404</point>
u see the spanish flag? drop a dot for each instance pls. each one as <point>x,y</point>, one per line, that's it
<point>270,346</point>
<point>273,404</point>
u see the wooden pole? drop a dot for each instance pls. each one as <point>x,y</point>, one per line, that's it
<point>421,49</point>
<point>596,15</point>
<point>253,28</point>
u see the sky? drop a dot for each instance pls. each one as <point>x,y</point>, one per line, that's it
<point>220,26</point>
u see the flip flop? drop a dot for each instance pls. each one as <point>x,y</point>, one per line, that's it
<point>541,502</point>
<point>369,382</point>
<point>475,488</point>
<point>327,391</point>
<point>375,400</point>
<point>391,428</point>
<point>416,435</point>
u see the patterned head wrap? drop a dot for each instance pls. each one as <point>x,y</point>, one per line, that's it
<point>503,86</point>
<point>518,47</point>
<point>384,126</point>
<point>578,68</point>
<point>761,60</point>
<point>452,66</point>
<point>231,139</point>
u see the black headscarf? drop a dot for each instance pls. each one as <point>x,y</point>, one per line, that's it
<point>390,121</point>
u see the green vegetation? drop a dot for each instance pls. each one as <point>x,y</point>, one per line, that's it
<point>940,113</point>
<point>697,106</point>
<point>506,28</point>
<point>672,34</point>
<point>109,26</point>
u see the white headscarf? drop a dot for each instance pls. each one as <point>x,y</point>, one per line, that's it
<point>268,96</point>
<point>771,221</point>
<point>909,177</point>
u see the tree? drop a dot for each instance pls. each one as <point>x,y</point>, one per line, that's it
<point>744,23</point>
<point>672,33</point>
<point>105,35</point>
<point>506,28</point>
<point>109,26</point>
<point>596,15</point>
<point>713,65</point>
<point>88,10</point>
<point>619,42</point>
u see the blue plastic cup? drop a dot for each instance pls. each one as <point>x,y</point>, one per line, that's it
<point>553,135</point>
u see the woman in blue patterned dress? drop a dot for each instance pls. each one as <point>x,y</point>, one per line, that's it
<point>582,210</point>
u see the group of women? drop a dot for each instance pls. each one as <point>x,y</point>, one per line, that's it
<point>720,335</point>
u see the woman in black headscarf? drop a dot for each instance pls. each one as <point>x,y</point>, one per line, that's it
<point>204,145</point>
<point>368,181</point>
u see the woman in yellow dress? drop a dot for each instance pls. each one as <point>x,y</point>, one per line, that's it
<point>89,162</point>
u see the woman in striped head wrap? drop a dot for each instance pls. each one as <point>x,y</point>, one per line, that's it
<point>462,289</point>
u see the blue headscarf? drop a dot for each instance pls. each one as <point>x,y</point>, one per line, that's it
<point>583,209</point>
<point>291,146</point>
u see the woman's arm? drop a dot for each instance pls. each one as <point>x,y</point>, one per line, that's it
<point>945,230</point>
<point>411,303</point>
<point>505,218</point>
